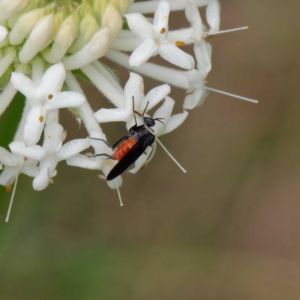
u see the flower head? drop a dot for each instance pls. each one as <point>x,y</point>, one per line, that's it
<point>44,44</point>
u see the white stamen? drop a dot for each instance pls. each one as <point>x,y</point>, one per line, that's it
<point>11,200</point>
<point>119,195</point>
<point>171,156</point>
<point>167,75</point>
<point>85,110</point>
<point>104,85</point>
<point>108,74</point>
<point>224,31</point>
<point>231,95</point>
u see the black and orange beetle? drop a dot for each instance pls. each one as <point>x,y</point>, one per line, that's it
<point>132,145</point>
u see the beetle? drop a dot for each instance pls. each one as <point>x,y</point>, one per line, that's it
<point>132,145</point>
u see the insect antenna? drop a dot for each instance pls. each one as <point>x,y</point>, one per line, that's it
<point>145,108</point>
<point>159,120</point>
<point>136,112</point>
<point>11,199</point>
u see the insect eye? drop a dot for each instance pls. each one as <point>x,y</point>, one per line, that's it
<point>149,122</point>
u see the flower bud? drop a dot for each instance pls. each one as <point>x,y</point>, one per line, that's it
<point>65,36</point>
<point>36,41</point>
<point>112,19</point>
<point>24,25</point>
<point>88,27</point>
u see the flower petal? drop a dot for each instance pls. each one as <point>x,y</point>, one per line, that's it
<point>213,15</point>
<point>42,180</point>
<point>142,53</point>
<point>113,184</point>
<point>82,161</point>
<point>177,57</point>
<point>203,57</point>
<point>161,17</point>
<point>175,121</point>
<point>7,158</point>
<point>27,87</point>
<point>8,176</point>
<point>195,78</point>
<point>65,99</point>
<point>32,171</point>
<point>134,88</point>
<point>72,148</point>
<point>193,16</point>
<point>104,115</point>
<point>196,98</point>
<point>52,80</point>
<point>164,112</point>
<point>139,25</point>
<point>141,162</point>
<point>34,152</point>
<point>53,137</point>
<point>155,95</point>
<point>34,125</point>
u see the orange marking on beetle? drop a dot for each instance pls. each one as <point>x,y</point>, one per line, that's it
<point>124,148</point>
<point>180,43</point>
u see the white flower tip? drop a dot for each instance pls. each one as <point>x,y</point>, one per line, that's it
<point>3,33</point>
<point>112,19</point>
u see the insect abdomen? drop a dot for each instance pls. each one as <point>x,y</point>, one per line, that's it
<point>123,148</point>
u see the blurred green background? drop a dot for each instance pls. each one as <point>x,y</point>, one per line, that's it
<point>228,229</point>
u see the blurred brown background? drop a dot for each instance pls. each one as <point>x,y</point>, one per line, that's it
<point>228,229</point>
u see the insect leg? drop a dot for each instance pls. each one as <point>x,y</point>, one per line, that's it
<point>134,111</point>
<point>104,141</point>
<point>103,154</point>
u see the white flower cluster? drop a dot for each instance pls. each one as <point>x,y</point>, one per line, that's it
<point>44,43</point>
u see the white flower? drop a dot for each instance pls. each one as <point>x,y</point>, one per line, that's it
<point>44,97</point>
<point>135,99</point>
<point>43,44</point>
<point>14,165</point>
<point>50,154</point>
<point>134,90</point>
<point>155,39</point>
